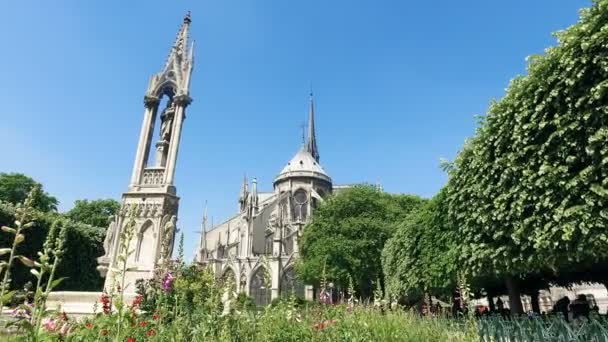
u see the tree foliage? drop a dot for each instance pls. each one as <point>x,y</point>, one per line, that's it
<point>347,234</point>
<point>96,213</point>
<point>84,244</point>
<point>530,190</point>
<point>14,188</point>
<point>421,257</point>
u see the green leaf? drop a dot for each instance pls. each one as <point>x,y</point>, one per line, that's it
<point>57,282</point>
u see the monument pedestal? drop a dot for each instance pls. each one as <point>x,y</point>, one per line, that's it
<point>79,304</point>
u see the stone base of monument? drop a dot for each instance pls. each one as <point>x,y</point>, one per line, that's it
<point>78,303</point>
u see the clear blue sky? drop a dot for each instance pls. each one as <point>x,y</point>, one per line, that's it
<point>397,85</point>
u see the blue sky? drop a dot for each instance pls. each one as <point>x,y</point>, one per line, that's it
<point>397,85</point>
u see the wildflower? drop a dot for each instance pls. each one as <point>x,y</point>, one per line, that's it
<point>168,282</point>
<point>143,324</point>
<point>130,339</point>
<point>89,325</point>
<point>49,324</point>
<point>155,316</point>
<point>104,332</point>
<point>150,333</point>
<point>21,313</point>
<point>137,301</point>
<point>65,329</point>
<point>105,302</point>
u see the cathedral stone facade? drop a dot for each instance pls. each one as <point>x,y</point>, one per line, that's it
<point>257,248</point>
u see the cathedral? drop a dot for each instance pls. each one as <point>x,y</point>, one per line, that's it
<point>257,248</point>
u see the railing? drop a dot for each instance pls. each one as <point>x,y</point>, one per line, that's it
<point>153,176</point>
<point>543,329</point>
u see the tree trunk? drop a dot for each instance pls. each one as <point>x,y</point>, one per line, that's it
<point>491,304</point>
<point>514,296</point>
<point>535,301</point>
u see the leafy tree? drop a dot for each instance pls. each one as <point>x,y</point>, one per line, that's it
<point>84,244</point>
<point>347,234</point>
<point>14,188</point>
<point>96,213</point>
<point>421,257</point>
<point>528,193</point>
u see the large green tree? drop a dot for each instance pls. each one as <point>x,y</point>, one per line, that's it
<point>529,193</point>
<point>14,188</point>
<point>84,244</point>
<point>96,213</point>
<point>347,234</point>
<point>421,257</point>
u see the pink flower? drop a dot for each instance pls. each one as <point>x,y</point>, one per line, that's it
<point>49,324</point>
<point>168,282</point>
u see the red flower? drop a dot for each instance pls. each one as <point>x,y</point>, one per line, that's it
<point>137,301</point>
<point>104,332</point>
<point>130,339</point>
<point>105,301</point>
<point>89,325</point>
<point>155,316</point>
<point>150,332</point>
<point>319,326</point>
<point>143,324</point>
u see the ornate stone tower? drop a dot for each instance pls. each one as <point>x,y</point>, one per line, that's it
<point>151,198</point>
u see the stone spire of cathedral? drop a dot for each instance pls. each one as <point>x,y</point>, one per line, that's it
<point>311,144</point>
<point>203,240</point>
<point>244,193</point>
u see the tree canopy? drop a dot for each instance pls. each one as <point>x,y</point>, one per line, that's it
<point>347,234</point>
<point>14,188</point>
<point>421,257</point>
<point>530,190</point>
<point>96,213</point>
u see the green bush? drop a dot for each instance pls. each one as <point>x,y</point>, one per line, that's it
<point>84,244</point>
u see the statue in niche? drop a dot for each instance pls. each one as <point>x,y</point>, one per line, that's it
<point>166,121</point>
<point>110,233</point>
<point>168,232</point>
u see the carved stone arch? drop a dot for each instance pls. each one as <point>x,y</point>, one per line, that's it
<point>145,242</point>
<point>260,285</point>
<point>166,87</point>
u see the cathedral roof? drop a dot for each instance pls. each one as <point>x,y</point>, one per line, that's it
<point>303,164</point>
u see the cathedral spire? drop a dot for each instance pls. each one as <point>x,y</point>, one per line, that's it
<point>203,240</point>
<point>180,51</point>
<point>311,144</point>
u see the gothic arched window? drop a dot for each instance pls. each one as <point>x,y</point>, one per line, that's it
<point>300,205</point>
<point>259,288</point>
<point>290,284</point>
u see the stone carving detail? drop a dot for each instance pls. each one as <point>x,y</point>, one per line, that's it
<point>141,210</point>
<point>168,235</point>
<point>153,176</point>
<point>166,119</point>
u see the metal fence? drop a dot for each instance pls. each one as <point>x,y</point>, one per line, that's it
<point>543,329</point>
